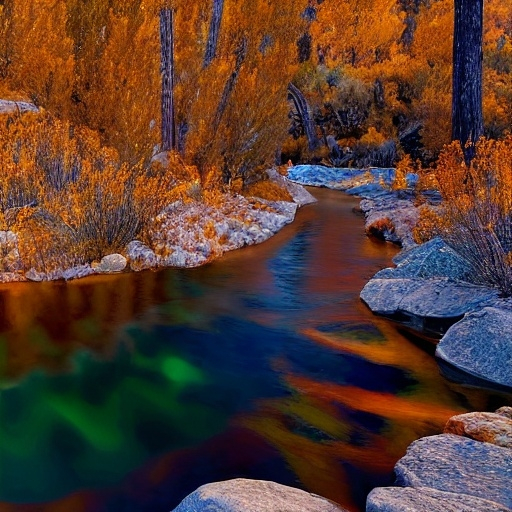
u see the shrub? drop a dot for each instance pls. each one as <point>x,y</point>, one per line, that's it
<point>69,199</point>
<point>476,217</point>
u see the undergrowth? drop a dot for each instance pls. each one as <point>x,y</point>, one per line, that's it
<point>69,199</point>
<point>475,217</point>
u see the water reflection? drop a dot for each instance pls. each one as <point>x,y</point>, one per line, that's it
<point>126,392</point>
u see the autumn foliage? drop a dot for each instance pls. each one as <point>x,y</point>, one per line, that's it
<point>476,214</point>
<point>69,199</point>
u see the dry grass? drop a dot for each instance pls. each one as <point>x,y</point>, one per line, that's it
<point>476,215</point>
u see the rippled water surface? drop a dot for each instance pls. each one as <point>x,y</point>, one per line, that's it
<point>125,393</point>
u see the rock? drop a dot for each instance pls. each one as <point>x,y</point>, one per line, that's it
<point>482,426</point>
<point>76,272</point>
<point>321,176</point>
<point>424,499</point>
<point>11,277</point>
<point>391,218</point>
<point>299,194</point>
<point>429,306</point>
<point>111,263</point>
<point>17,107</point>
<point>140,256</point>
<point>34,275</point>
<point>505,411</point>
<point>460,465</point>
<point>432,259</point>
<point>481,346</point>
<point>242,495</point>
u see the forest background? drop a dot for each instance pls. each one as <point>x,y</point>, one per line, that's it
<point>375,77</point>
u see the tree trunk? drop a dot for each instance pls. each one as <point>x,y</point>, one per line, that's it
<point>467,120</point>
<point>303,110</point>
<point>213,34</point>
<point>167,71</point>
<point>241,53</point>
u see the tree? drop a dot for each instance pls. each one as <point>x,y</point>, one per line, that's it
<point>467,118</point>
<point>167,70</point>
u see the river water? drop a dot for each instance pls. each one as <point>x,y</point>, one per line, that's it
<point>126,392</point>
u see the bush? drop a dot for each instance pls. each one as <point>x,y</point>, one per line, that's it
<point>69,199</point>
<point>476,216</point>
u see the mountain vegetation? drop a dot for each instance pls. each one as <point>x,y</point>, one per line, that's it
<point>230,88</point>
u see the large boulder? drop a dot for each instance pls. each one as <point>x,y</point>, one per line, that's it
<point>242,495</point>
<point>481,346</point>
<point>429,306</point>
<point>487,427</point>
<point>424,499</point>
<point>457,464</point>
<point>432,259</point>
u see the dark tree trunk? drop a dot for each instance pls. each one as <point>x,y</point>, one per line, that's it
<point>241,53</point>
<point>302,108</point>
<point>167,71</point>
<point>213,34</point>
<point>467,120</point>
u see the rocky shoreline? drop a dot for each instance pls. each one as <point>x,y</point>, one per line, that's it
<point>430,291</point>
<point>187,234</point>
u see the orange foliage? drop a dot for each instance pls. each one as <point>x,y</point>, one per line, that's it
<point>476,215</point>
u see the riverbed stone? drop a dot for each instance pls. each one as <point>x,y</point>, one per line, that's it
<point>431,305</point>
<point>481,345</point>
<point>425,499</point>
<point>140,256</point>
<point>299,194</point>
<point>111,263</point>
<point>391,218</point>
<point>434,258</point>
<point>482,426</point>
<point>243,495</point>
<point>505,411</point>
<point>457,464</point>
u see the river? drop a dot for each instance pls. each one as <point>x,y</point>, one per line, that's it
<point>126,392</point>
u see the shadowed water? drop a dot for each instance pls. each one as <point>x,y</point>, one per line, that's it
<point>126,392</point>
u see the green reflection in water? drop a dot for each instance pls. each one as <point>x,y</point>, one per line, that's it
<point>100,420</point>
<point>181,372</point>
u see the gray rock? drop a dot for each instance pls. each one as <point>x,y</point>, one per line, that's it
<point>425,304</point>
<point>505,411</point>
<point>75,272</point>
<point>321,176</point>
<point>111,263</point>
<point>299,194</point>
<point>432,259</point>
<point>391,218</point>
<point>17,107</point>
<point>425,499</point>
<point>11,277</point>
<point>242,495</point>
<point>487,427</point>
<point>34,275</point>
<point>140,256</point>
<point>460,465</point>
<point>481,345</point>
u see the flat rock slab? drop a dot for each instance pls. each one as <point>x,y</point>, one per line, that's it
<point>429,306</point>
<point>424,499</point>
<point>481,345</point>
<point>487,427</point>
<point>242,495</point>
<point>457,464</point>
